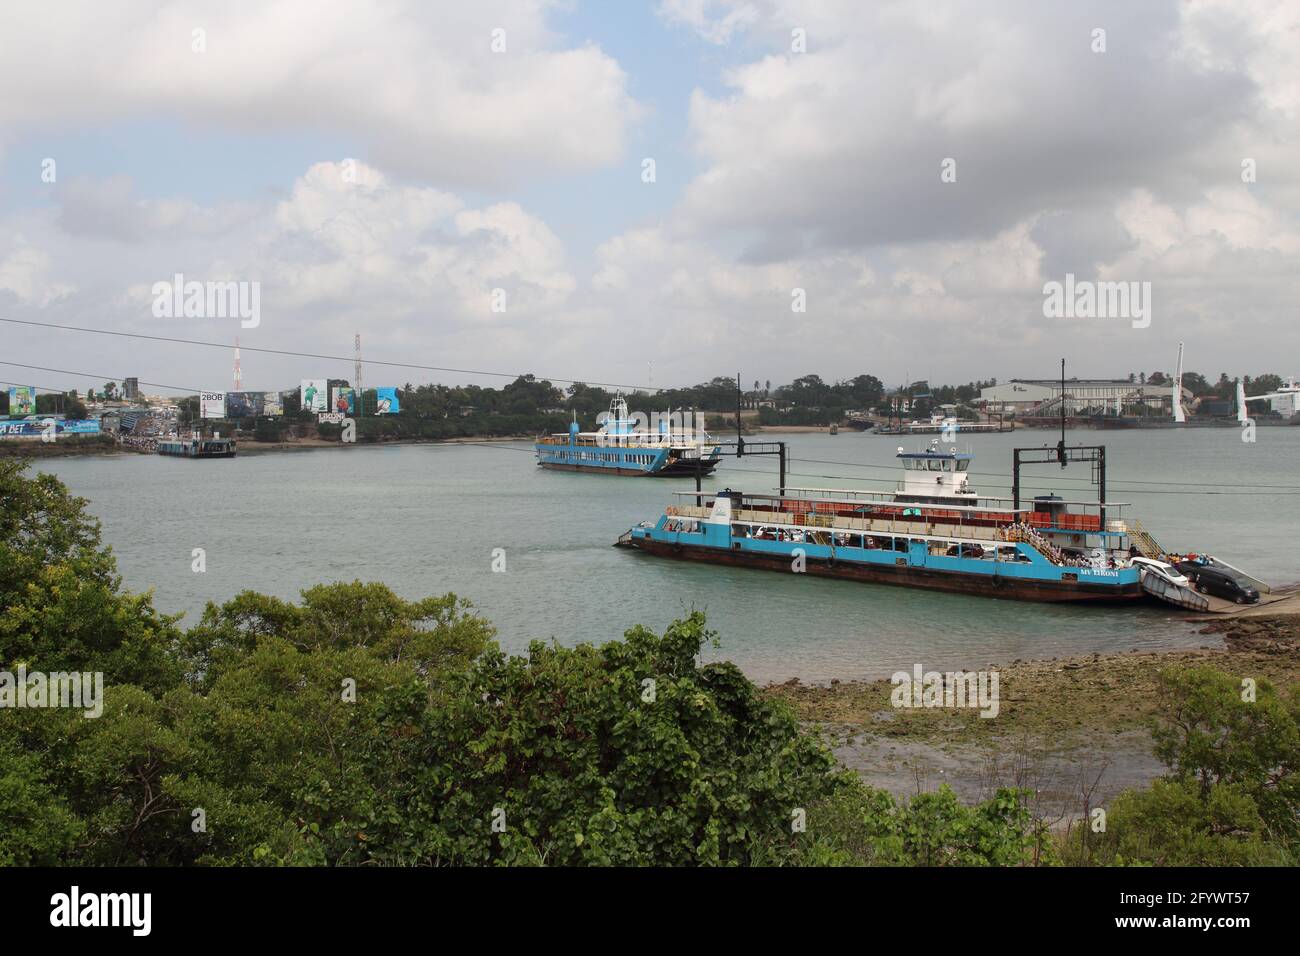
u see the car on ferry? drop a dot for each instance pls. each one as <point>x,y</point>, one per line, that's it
<point>1162,569</point>
<point>1219,582</point>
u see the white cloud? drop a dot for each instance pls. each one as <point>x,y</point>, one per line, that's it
<point>418,83</point>
<point>27,273</point>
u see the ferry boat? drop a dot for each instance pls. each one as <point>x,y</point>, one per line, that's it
<point>620,449</point>
<point>933,531</point>
<point>198,447</point>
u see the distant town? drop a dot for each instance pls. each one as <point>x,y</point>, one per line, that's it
<point>121,414</point>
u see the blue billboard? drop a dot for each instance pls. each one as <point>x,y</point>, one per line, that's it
<point>387,402</point>
<point>35,427</point>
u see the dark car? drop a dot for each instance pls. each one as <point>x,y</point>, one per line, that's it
<point>1220,583</point>
<point>966,551</point>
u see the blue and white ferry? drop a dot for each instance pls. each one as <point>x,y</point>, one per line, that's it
<point>932,531</point>
<point>619,448</point>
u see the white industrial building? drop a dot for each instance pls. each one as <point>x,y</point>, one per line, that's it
<point>1082,395</point>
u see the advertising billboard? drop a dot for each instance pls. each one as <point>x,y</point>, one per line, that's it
<point>243,404</point>
<point>212,404</point>
<point>35,427</point>
<point>314,394</point>
<point>253,404</point>
<point>387,401</point>
<point>345,400</point>
<point>22,401</point>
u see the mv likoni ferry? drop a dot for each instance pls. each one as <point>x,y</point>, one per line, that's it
<point>933,531</point>
<point>619,449</point>
<point>198,447</point>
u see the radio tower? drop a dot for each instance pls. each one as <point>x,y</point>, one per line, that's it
<point>357,383</point>
<point>239,375</point>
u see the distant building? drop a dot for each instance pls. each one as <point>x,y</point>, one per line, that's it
<point>1014,396</point>
<point>130,388</point>
<point>1083,395</point>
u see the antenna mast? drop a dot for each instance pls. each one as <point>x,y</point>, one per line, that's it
<point>357,383</point>
<point>239,375</point>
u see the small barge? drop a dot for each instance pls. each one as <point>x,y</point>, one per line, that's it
<point>215,447</point>
<point>932,532</point>
<point>620,448</point>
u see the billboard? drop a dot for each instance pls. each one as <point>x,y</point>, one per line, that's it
<point>22,401</point>
<point>314,394</point>
<point>35,427</point>
<point>387,401</point>
<point>345,400</point>
<point>253,404</point>
<point>243,404</point>
<point>212,405</point>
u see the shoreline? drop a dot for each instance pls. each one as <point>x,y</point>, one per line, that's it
<point>63,449</point>
<point>1062,724</point>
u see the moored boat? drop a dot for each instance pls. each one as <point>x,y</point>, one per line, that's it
<point>621,448</point>
<point>933,531</point>
<point>198,447</point>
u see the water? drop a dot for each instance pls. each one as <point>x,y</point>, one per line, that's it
<point>425,519</point>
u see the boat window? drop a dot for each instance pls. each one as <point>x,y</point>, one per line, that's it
<point>963,464</point>
<point>935,465</point>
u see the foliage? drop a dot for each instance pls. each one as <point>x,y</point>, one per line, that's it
<point>859,826</point>
<point>60,593</point>
<point>356,727</point>
<point>1232,794</point>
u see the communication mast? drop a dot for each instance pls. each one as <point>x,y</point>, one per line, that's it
<point>239,375</point>
<point>357,383</point>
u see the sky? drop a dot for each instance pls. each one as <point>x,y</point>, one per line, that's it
<point>839,187</point>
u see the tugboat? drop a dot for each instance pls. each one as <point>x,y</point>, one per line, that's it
<point>620,449</point>
<point>933,531</point>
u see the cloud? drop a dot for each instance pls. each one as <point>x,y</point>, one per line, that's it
<point>418,83</point>
<point>26,272</point>
<point>818,171</point>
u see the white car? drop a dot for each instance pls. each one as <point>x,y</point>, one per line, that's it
<point>1162,570</point>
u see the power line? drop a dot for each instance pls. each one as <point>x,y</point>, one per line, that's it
<point>991,474</point>
<point>806,474</point>
<point>332,358</point>
<point>102,378</point>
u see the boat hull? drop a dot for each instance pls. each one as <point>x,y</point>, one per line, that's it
<point>1015,588</point>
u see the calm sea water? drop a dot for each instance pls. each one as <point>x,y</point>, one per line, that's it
<point>425,519</point>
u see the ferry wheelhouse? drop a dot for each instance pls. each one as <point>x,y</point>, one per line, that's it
<point>932,531</point>
<point>619,448</point>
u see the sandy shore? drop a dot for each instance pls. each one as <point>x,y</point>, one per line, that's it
<point>1062,726</point>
